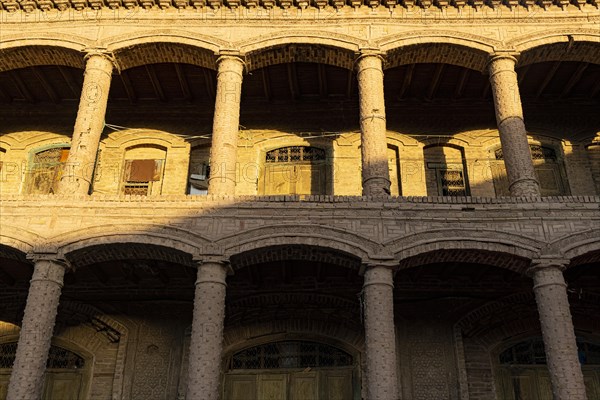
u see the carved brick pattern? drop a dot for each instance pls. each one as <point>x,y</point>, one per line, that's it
<point>154,53</point>
<point>312,254</point>
<point>129,251</point>
<point>301,53</point>
<point>39,55</point>
<point>506,261</point>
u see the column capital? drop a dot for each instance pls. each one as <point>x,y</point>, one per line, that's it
<point>496,58</point>
<point>233,55</point>
<point>49,256</point>
<point>369,53</point>
<point>546,263</point>
<point>379,274</point>
<point>103,53</point>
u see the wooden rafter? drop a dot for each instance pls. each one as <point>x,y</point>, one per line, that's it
<point>14,75</point>
<point>183,83</point>
<point>210,84</point>
<point>595,89</point>
<point>407,81</point>
<point>46,85</point>
<point>349,83</point>
<point>156,83</point>
<point>435,81</point>
<point>99,273</point>
<point>293,80</point>
<point>486,89</point>
<point>522,73</point>
<point>129,90</point>
<point>73,86</point>
<point>266,83</point>
<point>5,97</point>
<point>575,78</point>
<point>323,92</point>
<point>462,81</point>
<point>547,79</point>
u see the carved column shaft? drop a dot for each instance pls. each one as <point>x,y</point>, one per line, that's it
<point>380,337</point>
<point>375,170</point>
<point>522,178</point>
<point>27,378</point>
<point>223,150</point>
<point>558,333</point>
<point>207,332</point>
<point>79,169</point>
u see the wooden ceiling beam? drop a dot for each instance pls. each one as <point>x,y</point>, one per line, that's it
<point>522,73</point>
<point>14,75</point>
<point>548,78</point>
<point>99,273</point>
<point>210,84</point>
<point>350,83</point>
<point>156,83</point>
<point>266,81</point>
<point>129,90</point>
<point>73,86</point>
<point>293,80</point>
<point>574,80</point>
<point>462,81</point>
<point>46,85</point>
<point>4,96</point>
<point>435,82</point>
<point>595,89</point>
<point>407,81</point>
<point>323,92</point>
<point>183,83</point>
<point>486,89</point>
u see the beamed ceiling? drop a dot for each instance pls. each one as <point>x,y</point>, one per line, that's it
<point>297,82</point>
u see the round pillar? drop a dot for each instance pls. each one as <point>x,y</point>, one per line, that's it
<point>223,150</point>
<point>79,168</point>
<point>375,169</point>
<point>380,337</point>
<point>206,343</point>
<point>522,178</point>
<point>557,331</point>
<point>27,377</point>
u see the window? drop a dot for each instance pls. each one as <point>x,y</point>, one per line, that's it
<point>46,169</point>
<point>445,171</point>
<point>295,170</point>
<point>290,354</point>
<point>57,357</point>
<point>548,168</point>
<point>531,352</point>
<point>199,170</point>
<point>140,175</point>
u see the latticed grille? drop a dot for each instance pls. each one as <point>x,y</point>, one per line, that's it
<point>46,170</point>
<point>290,354</point>
<point>531,352</point>
<point>57,357</point>
<point>537,153</point>
<point>453,183</point>
<point>295,154</point>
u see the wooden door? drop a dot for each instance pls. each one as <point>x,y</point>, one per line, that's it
<point>591,377</point>
<point>337,384</point>
<point>290,178</point>
<point>304,386</point>
<point>241,387</point>
<point>4,377</point>
<point>272,387</point>
<point>62,385</point>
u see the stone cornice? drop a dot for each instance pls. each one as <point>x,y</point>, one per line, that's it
<point>268,6</point>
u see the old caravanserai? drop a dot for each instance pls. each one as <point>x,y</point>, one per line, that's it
<point>299,200</point>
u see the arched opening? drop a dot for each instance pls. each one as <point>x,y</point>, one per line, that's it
<point>295,369</point>
<point>46,167</point>
<point>143,170</point>
<point>522,372</point>
<point>67,373</point>
<point>446,171</point>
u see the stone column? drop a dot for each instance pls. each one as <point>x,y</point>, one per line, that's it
<point>380,337</point>
<point>27,378</point>
<point>79,168</point>
<point>557,330</point>
<point>522,178</point>
<point>206,343</point>
<point>223,149</point>
<point>375,170</point>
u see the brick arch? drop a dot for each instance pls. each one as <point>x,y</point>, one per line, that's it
<point>504,250</point>
<point>167,48</point>
<point>563,45</point>
<point>578,248</point>
<point>63,50</point>
<point>311,236</point>
<point>185,243</point>
<point>302,46</point>
<point>468,51</point>
<point>133,137</point>
<point>17,241</point>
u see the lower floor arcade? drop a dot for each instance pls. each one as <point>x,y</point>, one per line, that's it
<point>296,325</point>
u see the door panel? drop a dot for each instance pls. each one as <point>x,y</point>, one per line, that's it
<point>4,385</point>
<point>338,385</point>
<point>240,387</point>
<point>304,386</point>
<point>272,387</point>
<point>592,383</point>
<point>63,385</point>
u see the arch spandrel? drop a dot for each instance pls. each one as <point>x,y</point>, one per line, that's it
<point>463,50</point>
<point>299,235</point>
<point>578,248</point>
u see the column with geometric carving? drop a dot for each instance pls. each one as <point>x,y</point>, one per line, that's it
<point>380,337</point>
<point>375,169</point>
<point>226,121</point>
<point>522,179</point>
<point>79,168</point>
<point>27,378</point>
<point>206,343</point>
<point>557,329</point>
